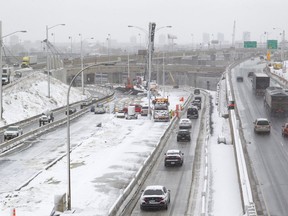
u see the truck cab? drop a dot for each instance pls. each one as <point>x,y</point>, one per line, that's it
<point>6,75</point>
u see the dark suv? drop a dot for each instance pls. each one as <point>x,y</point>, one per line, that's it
<point>196,91</point>
<point>192,112</point>
<point>183,135</point>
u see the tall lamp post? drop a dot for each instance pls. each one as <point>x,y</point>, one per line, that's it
<point>70,37</point>
<point>108,46</point>
<point>47,56</point>
<point>68,128</point>
<point>151,35</point>
<point>82,63</point>
<point>1,66</point>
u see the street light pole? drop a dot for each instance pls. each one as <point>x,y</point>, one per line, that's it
<point>70,37</point>
<point>47,56</point>
<point>150,50</point>
<point>1,66</point>
<point>108,46</point>
<point>68,129</point>
<point>151,35</point>
<point>82,64</point>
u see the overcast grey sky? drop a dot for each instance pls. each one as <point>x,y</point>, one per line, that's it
<point>98,18</point>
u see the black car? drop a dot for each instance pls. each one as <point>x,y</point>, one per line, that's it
<point>192,112</point>
<point>250,74</point>
<point>183,135</point>
<point>239,79</point>
<point>71,111</point>
<point>196,103</point>
<point>196,91</point>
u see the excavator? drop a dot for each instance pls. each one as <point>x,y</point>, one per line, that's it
<point>175,85</point>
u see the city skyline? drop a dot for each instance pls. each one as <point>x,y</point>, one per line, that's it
<point>98,19</point>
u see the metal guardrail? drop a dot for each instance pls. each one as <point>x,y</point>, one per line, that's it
<point>18,140</point>
<point>246,191</point>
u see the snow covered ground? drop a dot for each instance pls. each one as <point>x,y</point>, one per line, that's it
<point>107,158</point>
<point>27,97</point>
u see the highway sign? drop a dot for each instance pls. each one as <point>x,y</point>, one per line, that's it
<point>272,44</point>
<point>250,44</point>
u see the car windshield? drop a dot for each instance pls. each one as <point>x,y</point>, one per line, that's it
<point>183,132</point>
<point>12,129</point>
<point>153,192</point>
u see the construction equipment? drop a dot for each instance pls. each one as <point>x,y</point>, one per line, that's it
<point>175,84</point>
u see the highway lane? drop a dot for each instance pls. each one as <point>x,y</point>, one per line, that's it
<point>177,179</point>
<point>39,152</point>
<point>268,153</point>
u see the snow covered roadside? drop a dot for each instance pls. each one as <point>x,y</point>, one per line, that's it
<point>225,197</point>
<point>101,166</point>
<point>32,89</point>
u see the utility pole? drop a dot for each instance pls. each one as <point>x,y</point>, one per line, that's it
<point>233,35</point>
<point>150,50</point>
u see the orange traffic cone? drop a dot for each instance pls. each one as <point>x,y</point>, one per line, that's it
<point>14,212</point>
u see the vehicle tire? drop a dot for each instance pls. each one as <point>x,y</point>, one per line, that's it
<point>166,207</point>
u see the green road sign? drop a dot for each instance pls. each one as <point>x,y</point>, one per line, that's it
<point>250,44</point>
<point>272,44</point>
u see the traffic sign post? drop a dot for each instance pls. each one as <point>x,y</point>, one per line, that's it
<point>250,44</point>
<point>272,44</point>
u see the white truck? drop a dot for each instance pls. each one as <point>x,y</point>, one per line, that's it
<point>131,113</point>
<point>6,75</point>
